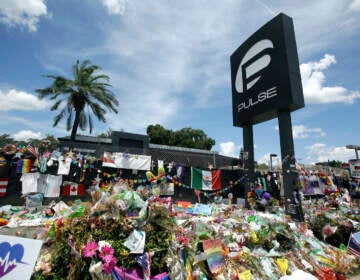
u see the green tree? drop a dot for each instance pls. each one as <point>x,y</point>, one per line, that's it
<point>50,142</point>
<point>5,139</point>
<point>262,166</point>
<point>87,92</point>
<point>159,135</point>
<point>335,163</point>
<point>185,137</point>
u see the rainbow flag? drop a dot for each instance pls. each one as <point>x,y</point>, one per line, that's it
<point>185,206</point>
<point>213,250</point>
<point>324,178</point>
<point>23,166</point>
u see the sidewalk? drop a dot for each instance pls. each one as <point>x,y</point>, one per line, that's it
<point>16,199</point>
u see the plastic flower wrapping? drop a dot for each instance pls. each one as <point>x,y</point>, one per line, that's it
<point>122,236</point>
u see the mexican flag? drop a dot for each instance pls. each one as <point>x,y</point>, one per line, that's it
<point>205,180</point>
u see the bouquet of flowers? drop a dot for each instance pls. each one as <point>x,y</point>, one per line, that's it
<point>102,259</point>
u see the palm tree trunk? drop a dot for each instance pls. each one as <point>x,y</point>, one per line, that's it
<point>75,126</point>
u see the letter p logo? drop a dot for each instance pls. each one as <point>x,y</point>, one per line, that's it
<point>251,64</point>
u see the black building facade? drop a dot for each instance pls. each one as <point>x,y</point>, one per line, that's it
<point>132,143</point>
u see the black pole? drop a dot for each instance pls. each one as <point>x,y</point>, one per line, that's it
<point>292,200</point>
<point>248,140</point>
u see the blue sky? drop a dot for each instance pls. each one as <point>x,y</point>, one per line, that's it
<point>169,64</point>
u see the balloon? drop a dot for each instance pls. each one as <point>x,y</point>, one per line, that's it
<point>266,195</point>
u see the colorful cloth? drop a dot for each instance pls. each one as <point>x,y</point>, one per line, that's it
<point>23,166</point>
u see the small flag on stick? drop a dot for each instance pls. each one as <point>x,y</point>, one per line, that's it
<point>354,244</point>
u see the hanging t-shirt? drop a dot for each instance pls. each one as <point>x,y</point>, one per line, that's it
<point>53,184</point>
<point>64,166</point>
<point>29,182</point>
<point>41,187</point>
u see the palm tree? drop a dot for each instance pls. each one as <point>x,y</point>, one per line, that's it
<point>80,96</point>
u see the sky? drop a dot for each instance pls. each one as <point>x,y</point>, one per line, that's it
<point>169,64</point>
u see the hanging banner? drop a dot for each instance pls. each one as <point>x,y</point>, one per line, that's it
<point>126,161</point>
<point>354,165</point>
<point>18,257</point>
<point>205,180</point>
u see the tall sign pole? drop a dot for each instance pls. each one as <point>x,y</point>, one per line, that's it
<point>248,140</point>
<point>266,84</point>
<point>291,192</point>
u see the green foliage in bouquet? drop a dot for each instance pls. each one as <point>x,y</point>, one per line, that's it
<point>332,231</point>
<point>68,262</point>
<point>317,224</point>
<point>341,235</point>
<point>64,265</point>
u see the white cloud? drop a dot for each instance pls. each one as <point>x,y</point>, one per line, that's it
<point>20,100</point>
<point>114,7</point>
<point>320,152</point>
<point>179,51</point>
<point>275,160</point>
<point>23,13</point>
<point>328,16</point>
<point>167,67</point>
<point>355,6</point>
<point>301,132</point>
<point>25,135</point>
<point>228,149</point>
<point>264,159</point>
<point>313,80</point>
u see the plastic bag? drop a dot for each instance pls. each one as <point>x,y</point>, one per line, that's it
<point>136,242</point>
<point>78,209</point>
<point>132,199</point>
<point>34,200</point>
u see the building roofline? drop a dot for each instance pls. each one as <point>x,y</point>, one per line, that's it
<point>181,149</point>
<point>84,138</point>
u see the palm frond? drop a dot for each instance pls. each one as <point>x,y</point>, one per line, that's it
<point>59,117</point>
<point>91,124</point>
<point>69,120</point>
<point>56,105</point>
<point>88,90</point>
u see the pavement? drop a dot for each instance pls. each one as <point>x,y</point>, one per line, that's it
<point>17,199</point>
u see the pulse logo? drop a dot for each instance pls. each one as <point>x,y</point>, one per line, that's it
<point>249,73</point>
<point>265,74</point>
<point>251,64</point>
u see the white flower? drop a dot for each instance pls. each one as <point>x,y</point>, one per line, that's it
<point>96,268</point>
<point>103,243</point>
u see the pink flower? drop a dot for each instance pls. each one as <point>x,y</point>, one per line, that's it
<point>90,249</point>
<point>110,262</point>
<point>106,251</point>
<point>328,230</point>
